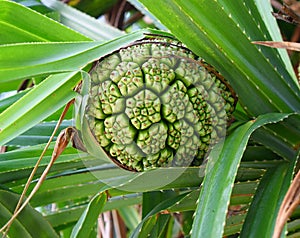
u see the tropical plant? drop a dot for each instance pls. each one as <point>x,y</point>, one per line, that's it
<point>48,50</point>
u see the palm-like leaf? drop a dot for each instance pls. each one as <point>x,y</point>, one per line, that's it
<point>219,31</point>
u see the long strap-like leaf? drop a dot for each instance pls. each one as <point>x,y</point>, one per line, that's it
<point>220,175</point>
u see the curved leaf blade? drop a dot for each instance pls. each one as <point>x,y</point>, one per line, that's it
<point>21,24</point>
<point>89,217</point>
<point>221,171</point>
<point>168,203</point>
<point>261,217</point>
<point>82,22</point>
<point>29,223</point>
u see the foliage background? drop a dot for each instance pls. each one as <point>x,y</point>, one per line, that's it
<point>42,60</point>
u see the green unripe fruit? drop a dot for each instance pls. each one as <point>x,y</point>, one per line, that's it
<point>155,103</point>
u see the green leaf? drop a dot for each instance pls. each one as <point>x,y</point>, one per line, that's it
<point>37,6</point>
<point>65,217</point>
<point>89,217</point>
<point>151,199</point>
<point>12,86</point>
<point>294,226</point>
<point>272,28</point>
<point>16,165</point>
<point>261,217</point>
<point>7,101</point>
<point>260,13</point>
<point>82,22</point>
<point>221,171</point>
<point>75,191</point>
<point>162,178</point>
<point>39,134</point>
<point>282,138</point>
<point>158,208</point>
<point>147,227</point>
<point>21,24</point>
<point>37,104</point>
<point>29,223</point>
<point>161,227</point>
<point>242,194</point>
<point>234,224</point>
<point>130,216</point>
<point>19,61</point>
<point>254,72</point>
<point>69,214</point>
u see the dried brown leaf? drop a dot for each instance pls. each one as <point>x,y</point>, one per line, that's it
<point>289,204</point>
<point>275,44</point>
